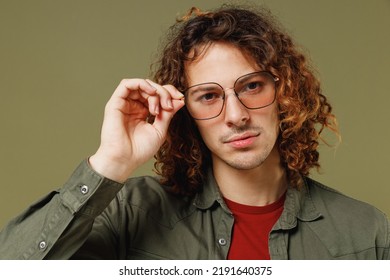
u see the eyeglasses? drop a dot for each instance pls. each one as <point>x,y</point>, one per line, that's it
<point>254,90</point>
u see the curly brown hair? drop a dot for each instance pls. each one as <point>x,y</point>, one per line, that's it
<point>304,111</point>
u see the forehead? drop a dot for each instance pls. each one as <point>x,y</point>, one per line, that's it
<point>222,63</point>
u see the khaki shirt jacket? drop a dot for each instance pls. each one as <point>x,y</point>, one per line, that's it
<point>92,217</point>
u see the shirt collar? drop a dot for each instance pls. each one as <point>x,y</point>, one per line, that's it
<point>298,204</point>
<point>210,194</point>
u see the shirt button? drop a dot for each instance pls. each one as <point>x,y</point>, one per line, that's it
<point>42,245</point>
<point>84,189</point>
<point>222,241</point>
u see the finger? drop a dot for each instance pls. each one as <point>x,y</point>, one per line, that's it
<point>132,91</point>
<point>168,91</point>
<point>162,121</point>
<point>154,104</point>
<point>164,94</point>
<point>134,88</point>
<point>177,105</point>
<point>175,93</point>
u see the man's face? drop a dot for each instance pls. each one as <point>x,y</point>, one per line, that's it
<point>238,138</point>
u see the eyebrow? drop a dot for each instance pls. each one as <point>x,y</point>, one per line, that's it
<point>243,79</point>
<point>204,87</point>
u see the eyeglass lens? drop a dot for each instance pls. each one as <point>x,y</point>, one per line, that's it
<point>254,90</point>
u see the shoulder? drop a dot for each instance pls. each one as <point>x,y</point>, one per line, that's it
<point>350,223</point>
<point>331,202</point>
<point>145,186</point>
<point>332,225</point>
<point>139,188</point>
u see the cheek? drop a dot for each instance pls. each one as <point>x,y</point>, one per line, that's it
<point>274,121</point>
<point>273,116</point>
<point>208,132</point>
<point>269,121</point>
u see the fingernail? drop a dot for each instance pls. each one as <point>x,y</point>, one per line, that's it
<point>150,84</point>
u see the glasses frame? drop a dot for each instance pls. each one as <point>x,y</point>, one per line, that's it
<point>274,78</point>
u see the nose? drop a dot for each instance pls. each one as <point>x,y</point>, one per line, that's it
<point>235,113</point>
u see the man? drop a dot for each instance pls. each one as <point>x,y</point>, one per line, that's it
<point>233,116</point>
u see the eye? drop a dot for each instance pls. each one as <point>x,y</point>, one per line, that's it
<point>206,94</point>
<point>253,86</point>
<point>209,97</point>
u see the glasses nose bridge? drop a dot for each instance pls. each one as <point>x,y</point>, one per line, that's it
<point>226,89</point>
<point>233,92</point>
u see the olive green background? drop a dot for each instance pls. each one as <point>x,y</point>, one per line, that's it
<point>61,60</point>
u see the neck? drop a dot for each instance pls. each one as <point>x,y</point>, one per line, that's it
<point>259,186</point>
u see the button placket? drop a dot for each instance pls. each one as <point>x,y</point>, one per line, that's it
<point>222,241</point>
<point>42,245</point>
<point>84,189</point>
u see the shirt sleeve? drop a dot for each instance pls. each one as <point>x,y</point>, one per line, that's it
<point>56,226</point>
<point>386,254</point>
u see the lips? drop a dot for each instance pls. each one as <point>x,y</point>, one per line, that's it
<point>241,141</point>
<point>241,137</point>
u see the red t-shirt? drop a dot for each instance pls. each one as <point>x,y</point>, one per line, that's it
<point>252,225</point>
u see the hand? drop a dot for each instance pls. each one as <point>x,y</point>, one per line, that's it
<point>127,139</point>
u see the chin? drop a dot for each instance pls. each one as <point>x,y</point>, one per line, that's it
<point>246,163</point>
